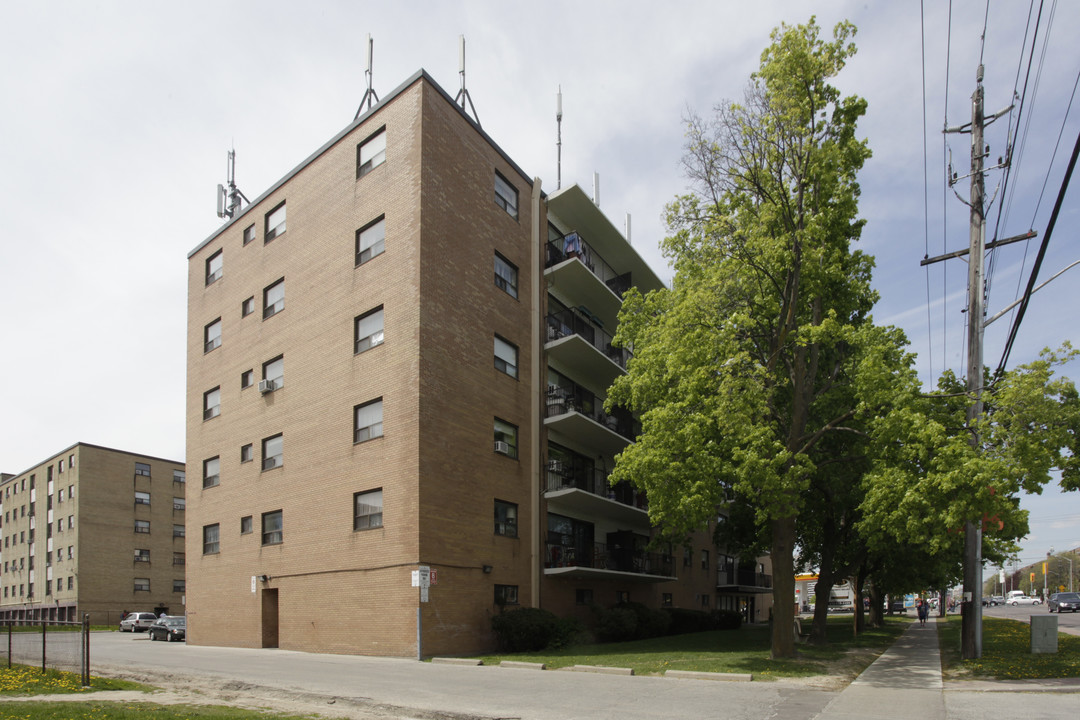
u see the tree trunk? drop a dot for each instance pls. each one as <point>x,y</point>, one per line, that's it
<point>783,572</point>
<point>819,632</point>
<point>877,601</point>
<point>857,586</point>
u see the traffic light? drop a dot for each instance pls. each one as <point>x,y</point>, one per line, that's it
<point>1032,577</point>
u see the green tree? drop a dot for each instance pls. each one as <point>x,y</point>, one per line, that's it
<point>738,370</point>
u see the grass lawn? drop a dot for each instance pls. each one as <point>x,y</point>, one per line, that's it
<point>27,680</point>
<point>1006,653</point>
<point>745,650</point>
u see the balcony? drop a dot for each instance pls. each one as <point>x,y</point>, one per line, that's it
<point>577,341</point>
<point>743,579</point>
<point>600,561</point>
<point>584,490</point>
<point>578,413</point>
<point>571,262</point>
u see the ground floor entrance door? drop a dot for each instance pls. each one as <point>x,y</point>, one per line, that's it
<point>270,618</point>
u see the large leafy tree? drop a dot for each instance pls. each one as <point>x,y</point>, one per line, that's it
<point>739,371</point>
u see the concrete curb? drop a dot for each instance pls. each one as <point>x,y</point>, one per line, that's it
<point>695,675</point>
<point>522,665</point>
<point>472,662</point>
<point>601,669</point>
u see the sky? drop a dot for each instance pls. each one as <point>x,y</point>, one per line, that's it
<point>117,118</point>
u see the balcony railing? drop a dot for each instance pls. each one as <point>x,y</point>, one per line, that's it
<point>601,556</point>
<point>575,398</point>
<point>572,245</point>
<point>744,576</point>
<point>570,322</point>
<point>562,475</point>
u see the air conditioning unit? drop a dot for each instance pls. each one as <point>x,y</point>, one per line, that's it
<point>502,447</point>
<point>266,386</point>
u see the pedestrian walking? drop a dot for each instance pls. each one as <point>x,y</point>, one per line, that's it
<point>924,612</point>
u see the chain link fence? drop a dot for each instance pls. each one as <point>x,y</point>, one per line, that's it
<point>48,644</point>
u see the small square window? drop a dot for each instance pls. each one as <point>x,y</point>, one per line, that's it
<point>142,498</point>
<point>371,153</point>
<point>368,510</point>
<point>371,240</point>
<point>506,359</point>
<point>211,539</point>
<point>214,265</point>
<point>249,233</point>
<point>506,276</point>
<point>667,600</point>
<point>368,421</point>
<point>179,531</point>
<point>142,584</point>
<point>211,472</point>
<point>142,555</point>
<point>583,596</point>
<point>245,525</point>
<point>273,374</point>
<point>506,438</point>
<point>506,519</point>
<point>179,586</point>
<point>273,452</point>
<point>246,453</point>
<point>271,528</point>
<point>369,330</point>
<point>247,379</point>
<point>506,595</point>
<point>71,582</point>
<point>212,336</point>
<point>211,403</point>
<point>274,298</point>
<point>179,503</point>
<point>247,307</point>
<point>275,223</point>
<point>622,596</point>
<point>142,526</point>
<point>142,469</point>
<point>178,476</point>
<point>506,195</point>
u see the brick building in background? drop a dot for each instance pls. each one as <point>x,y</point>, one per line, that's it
<point>92,530</point>
<point>397,357</point>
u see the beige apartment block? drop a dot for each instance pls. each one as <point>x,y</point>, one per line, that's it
<point>388,351</point>
<point>92,531</point>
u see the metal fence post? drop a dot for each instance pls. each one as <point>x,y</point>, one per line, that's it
<point>10,624</point>
<point>86,650</point>
<point>43,634</point>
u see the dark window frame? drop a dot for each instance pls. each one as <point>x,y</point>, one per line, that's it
<point>367,521</point>
<point>363,168</point>
<point>358,430</point>
<point>270,233</point>
<point>369,253</point>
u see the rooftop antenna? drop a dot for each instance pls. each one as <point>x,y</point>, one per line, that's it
<point>628,228</point>
<point>230,192</point>
<point>463,94</point>
<point>369,94</point>
<point>558,139</point>
<point>596,188</point>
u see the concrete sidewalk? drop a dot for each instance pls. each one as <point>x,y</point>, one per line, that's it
<point>904,682</point>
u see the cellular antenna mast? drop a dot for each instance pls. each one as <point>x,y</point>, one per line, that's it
<point>463,93</point>
<point>230,192</point>
<point>369,94</point>
<point>558,138</point>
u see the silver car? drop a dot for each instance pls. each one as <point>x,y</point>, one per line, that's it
<point>137,621</point>
<point>1024,600</point>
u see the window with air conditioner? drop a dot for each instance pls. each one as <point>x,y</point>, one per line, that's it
<point>273,374</point>
<point>506,595</point>
<point>273,452</point>
<point>368,421</point>
<point>142,555</point>
<point>506,518</point>
<point>371,240</point>
<point>369,330</point>
<point>506,436</point>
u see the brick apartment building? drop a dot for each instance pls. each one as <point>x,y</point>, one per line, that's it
<point>92,530</point>
<point>397,358</point>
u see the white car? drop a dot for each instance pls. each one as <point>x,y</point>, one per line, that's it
<point>137,621</point>
<point>1024,600</point>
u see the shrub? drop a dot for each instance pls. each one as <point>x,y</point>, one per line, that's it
<point>617,624</point>
<point>726,619</point>
<point>528,629</point>
<point>689,621</point>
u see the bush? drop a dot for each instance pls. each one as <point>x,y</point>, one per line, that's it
<point>617,624</point>
<point>529,629</point>
<point>727,619</point>
<point>689,621</point>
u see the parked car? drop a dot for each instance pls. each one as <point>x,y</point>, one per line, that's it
<point>1064,602</point>
<point>169,628</point>
<point>992,600</point>
<point>1024,600</point>
<point>137,621</point>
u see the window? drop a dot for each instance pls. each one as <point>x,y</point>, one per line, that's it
<point>506,275</point>
<point>688,557</point>
<point>247,379</point>
<point>246,454</point>
<point>142,584</point>
<point>622,596</point>
<point>369,330</point>
<point>506,195</point>
<point>213,268</point>
<point>71,522</point>
<point>211,403</point>
<point>212,336</point>
<point>71,552</point>
<point>667,601</point>
<point>271,528</point>
<point>506,438</point>
<point>142,556</point>
<point>583,596</point>
<point>71,461</point>
<point>249,233</point>
<point>371,153</point>
<point>142,469</point>
<point>371,240</point>
<point>272,452</point>
<point>368,422</point>
<point>506,357</point>
<point>211,469</point>
<point>178,531</point>
<point>704,559</point>
<point>704,600</point>
<point>245,525</point>
<point>506,595</point>
<point>142,526</point>
<point>71,582</point>
<point>210,539</point>
<point>275,223</point>
<point>367,513</point>
<point>179,586</point>
<point>274,373</point>
<point>506,519</point>
<point>273,298</point>
<point>178,476</point>
<point>179,503</point>
<point>142,498</point>
<point>247,307</point>
<point>61,466</point>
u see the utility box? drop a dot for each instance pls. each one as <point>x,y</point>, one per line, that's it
<point>1044,634</point>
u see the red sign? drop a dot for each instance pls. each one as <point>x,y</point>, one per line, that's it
<point>434,577</point>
